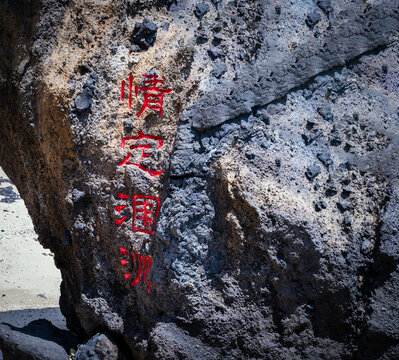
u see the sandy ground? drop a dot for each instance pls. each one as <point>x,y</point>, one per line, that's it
<point>29,280</point>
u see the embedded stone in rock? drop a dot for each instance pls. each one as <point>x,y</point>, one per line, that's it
<point>201,38</point>
<point>346,191</point>
<point>214,53</point>
<point>219,70</point>
<point>84,100</point>
<point>325,157</point>
<point>217,39</point>
<point>144,34</point>
<point>347,220</point>
<point>325,112</point>
<point>312,19</point>
<point>128,124</point>
<point>331,190</point>
<point>343,206</point>
<point>250,155</point>
<point>312,172</point>
<point>90,38</point>
<point>201,9</point>
<point>320,205</point>
<point>310,123</point>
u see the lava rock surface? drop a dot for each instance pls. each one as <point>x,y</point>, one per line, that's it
<point>277,235</point>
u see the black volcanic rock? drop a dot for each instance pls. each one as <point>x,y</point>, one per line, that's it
<point>259,248</point>
<point>39,340</point>
<point>144,34</point>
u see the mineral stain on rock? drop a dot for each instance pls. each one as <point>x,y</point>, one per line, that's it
<point>270,179</point>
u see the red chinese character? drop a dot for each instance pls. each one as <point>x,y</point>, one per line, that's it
<point>153,96</point>
<point>145,212</point>
<point>119,208</point>
<point>143,152</point>
<point>153,100</point>
<point>143,267</point>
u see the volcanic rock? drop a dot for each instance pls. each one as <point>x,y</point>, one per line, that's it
<point>242,266</point>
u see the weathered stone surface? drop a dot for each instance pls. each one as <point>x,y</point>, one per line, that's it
<point>250,259</point>
<point>36,341</point>
<point>170,342</point>
<point>350,33</point>
<point>99,347</point>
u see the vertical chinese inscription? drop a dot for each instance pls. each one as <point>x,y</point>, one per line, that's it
<point>144,208</point>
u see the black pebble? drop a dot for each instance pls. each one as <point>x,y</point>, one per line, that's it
<point>331,191</point>
<point>310,123</point>
<point>336,140</point>
<point>346,191</point>
<point>144,34</point>
<point>217,39</point>
<point>343,206</point>
<point>320,205</point>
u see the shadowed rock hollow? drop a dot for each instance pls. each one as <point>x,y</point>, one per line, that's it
<point>277,236</point>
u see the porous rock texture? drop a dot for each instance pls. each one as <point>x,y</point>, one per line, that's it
<point>278,231</point>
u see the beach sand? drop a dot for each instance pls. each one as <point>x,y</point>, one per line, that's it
<point>29,280</point>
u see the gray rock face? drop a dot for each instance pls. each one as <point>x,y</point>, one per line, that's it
<point>99,347</point>
<point>171,342</point>
<point>277,234</point>
<point>18,345</point>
